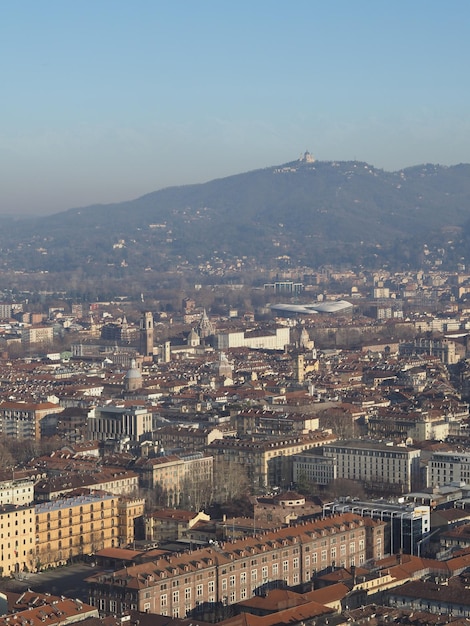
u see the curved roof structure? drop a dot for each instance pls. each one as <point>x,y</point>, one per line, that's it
<point>333,306</point>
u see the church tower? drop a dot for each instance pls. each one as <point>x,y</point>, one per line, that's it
<point>146,334</point>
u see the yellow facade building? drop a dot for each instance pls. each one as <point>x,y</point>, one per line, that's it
<point>129,510</point>
<point>17,539</point>
<point>69,527</point>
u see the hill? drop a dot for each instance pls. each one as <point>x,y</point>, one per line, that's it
<point>313,213</point>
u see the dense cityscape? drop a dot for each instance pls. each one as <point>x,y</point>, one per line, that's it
<point>300,458</point>
<point>234,313</point>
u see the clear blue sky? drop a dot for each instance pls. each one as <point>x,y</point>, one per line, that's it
<point>105,100</point>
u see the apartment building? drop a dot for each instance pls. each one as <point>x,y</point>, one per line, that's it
<point>273,422</point>
<point>266,462</point>
<point>37,335</point>
<point>69,527</point>
<point>447,467</point>
<point>21,420</point>
<point>379,466</point>
<point>172,474</point>
<point>174,437</point>
<point>313,466</point>
<point>232,572</point>
<point>17,539</point>
<point>18,491</point>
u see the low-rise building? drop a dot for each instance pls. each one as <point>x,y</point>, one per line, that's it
<point>171,524</point>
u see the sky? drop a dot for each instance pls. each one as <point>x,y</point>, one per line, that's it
<point>106,100</point>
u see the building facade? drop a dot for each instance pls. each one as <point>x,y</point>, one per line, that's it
<point>266,463</point>
<point>116,423</point>
<point>380,467</point>
<point>69,527</point>
<point>21,420</point>
<point>225,574</point>
<point>17,539</point>
<point>175,477</point>
<point>17,491</point>
<point>258,340</point>
<point>408,526</point>
<point>448,467</point>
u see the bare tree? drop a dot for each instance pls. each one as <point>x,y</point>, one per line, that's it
<point>231,481</point>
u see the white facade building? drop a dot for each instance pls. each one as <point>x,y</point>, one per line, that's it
<point>17,491</point>
<point>447,467</point>
<point>255,339</point>
<point>377,465</point>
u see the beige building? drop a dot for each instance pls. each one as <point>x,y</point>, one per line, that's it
<point>171,524</point>
<point>69,527</point>
<point>37,335</point>
<point>265,462</point>
<point>17,539</point>
<point>175,477</point>
<point>129,510</point>
<point>447,467</point>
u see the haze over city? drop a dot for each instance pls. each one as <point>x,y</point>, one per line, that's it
<point>107,101</point>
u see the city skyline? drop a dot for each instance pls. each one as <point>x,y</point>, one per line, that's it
<point>107,102</point>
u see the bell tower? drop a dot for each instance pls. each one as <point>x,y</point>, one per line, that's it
<point>146,334</point>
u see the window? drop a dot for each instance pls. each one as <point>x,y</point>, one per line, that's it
<point>176,597</point>
<point>243,577</point>
<point>199,590</point>
<point>187,593</point>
